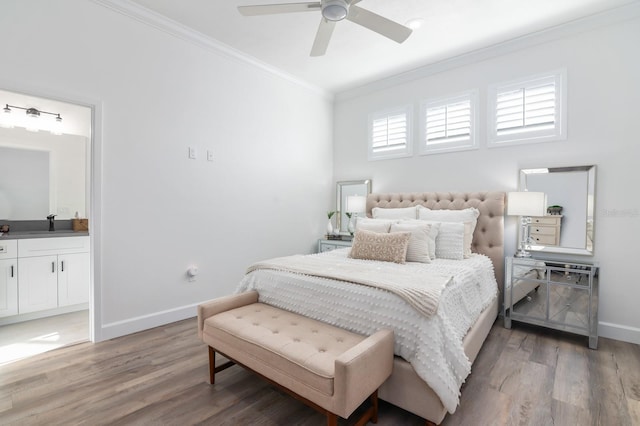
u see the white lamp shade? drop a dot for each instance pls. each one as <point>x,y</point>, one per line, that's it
<point>526,203</point>
<point>356,204</point>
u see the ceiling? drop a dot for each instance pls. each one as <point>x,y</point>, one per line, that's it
<point>357,56</point>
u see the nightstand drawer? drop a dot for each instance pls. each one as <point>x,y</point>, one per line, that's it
<point>328,245</point>
<point>546,220</point>
<point>544,239</point>
<point>543,230</point>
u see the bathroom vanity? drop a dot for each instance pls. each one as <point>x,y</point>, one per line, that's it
<point>41,277</point>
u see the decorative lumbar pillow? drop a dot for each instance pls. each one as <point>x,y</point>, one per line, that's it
<point>469,216</point>
<point>399,213</point>
<point>418,250</point>
<point>450,241</point>
<point>377,246</point>
<point>374,225</point>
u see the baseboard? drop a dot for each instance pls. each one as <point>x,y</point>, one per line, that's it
<point>619,332</point>
<point>145,322</point>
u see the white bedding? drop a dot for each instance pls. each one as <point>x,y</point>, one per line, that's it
<point>432,345</point>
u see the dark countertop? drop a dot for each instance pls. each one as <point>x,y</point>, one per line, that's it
<point>21,235</point>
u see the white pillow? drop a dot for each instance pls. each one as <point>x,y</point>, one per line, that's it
<point>399,213</point>
<point>374,225</point>
<point>469,215</point>
<point>418,250</point>
<point>433,233</point>
<point>450,242</point>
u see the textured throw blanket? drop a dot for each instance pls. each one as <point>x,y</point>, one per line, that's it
<point>421,291</point>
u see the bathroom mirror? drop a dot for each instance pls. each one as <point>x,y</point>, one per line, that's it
<point>570,195</point>
<point>43,173</point>
<point>345,189</point>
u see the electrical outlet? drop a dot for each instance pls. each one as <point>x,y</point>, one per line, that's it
<point>209,155</point>
<point>192,153</point>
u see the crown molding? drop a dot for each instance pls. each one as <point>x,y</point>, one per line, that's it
<point>609,17</point>
<point>176,29</point>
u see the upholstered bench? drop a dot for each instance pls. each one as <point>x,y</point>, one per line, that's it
<point>330,369</point>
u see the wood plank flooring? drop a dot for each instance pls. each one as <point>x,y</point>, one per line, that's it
<point>522,376</point>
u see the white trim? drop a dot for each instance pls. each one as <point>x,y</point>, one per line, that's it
<point>95,223</point>
<point>473,95</point>
<point>176,29</point>
<point>620,332</point>
<point>608,17</point>
<point>557,133</point>
<point>145,322</point>
<point>407,151</point>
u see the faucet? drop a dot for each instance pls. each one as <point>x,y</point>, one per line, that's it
<point>51,227</point>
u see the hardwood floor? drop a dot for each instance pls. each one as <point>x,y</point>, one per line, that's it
<point>522,376</point>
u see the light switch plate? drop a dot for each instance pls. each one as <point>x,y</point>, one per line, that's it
<point>209,155</point>
<point>192,153</point>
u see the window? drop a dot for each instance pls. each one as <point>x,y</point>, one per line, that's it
<point>390,134</point>
<point>449,124</point>
<point>528,110</point>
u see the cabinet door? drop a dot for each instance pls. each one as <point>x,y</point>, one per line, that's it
<point>73,279</point>
<point>8,287</point>
<point>38,283</point>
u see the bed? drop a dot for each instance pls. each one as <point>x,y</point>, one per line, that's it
<point>407,387</point>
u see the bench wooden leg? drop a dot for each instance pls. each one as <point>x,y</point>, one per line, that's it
<point>212,365</point>
<point>332,419</point>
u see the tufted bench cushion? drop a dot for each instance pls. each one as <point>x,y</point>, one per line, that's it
<point>333,368</point>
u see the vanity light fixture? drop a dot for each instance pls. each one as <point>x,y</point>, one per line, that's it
<point>33,115</point>
<point>525,204</point>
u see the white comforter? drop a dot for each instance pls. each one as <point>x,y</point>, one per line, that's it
<point>433,345</point>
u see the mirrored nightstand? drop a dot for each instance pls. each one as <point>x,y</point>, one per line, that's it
<point>328,245</point>
<point>554,294</point>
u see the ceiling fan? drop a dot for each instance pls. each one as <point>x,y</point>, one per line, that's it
<point>332,12</point>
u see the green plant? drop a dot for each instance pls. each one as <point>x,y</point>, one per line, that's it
<point>348,214</point>
<point>330,214</point>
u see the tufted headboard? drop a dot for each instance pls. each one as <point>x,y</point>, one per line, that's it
<point>488,238</point>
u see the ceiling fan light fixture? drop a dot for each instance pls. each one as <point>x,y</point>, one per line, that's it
<point>335,10</point>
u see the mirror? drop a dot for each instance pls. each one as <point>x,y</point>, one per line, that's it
<point>42,173</point>
<point>345,189</point>
<point>569,224</point>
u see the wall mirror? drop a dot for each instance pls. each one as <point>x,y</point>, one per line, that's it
<point>43,172</point>
<point>345,189</point>
<point>570,193</point>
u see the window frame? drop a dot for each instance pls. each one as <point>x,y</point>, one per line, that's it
<point>559,130</point>
<point>407,150</point>
<point>451,146</point>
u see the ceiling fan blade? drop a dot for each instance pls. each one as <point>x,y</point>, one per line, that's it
<point>320,44</point>
<point>270,9</point>
<point>379,24</point>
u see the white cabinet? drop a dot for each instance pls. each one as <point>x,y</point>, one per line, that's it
<point>38,283</point>
<point>8,278</point>
<point>73,279</point>
<point>53,273</point>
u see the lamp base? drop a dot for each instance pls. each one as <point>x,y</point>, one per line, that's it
<point>522,253</point>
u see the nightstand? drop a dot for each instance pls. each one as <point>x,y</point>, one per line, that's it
<point>557,294</point>
<point>328,245</point>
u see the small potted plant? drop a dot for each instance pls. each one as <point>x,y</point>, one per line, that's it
<point>554,210</point>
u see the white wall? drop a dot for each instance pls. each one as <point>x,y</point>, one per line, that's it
<point>603,99</point>
<point>264,195</point>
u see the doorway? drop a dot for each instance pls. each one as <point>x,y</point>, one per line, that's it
<point>64,132</point>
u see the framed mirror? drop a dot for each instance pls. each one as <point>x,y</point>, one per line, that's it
<point>568,226</point>
<point>345,189</point>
